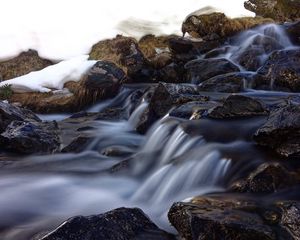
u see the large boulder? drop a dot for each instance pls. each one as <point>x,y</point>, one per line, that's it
<point>228,83</point>
<point>281,131</point>
<point>101,82</point>
<point>238,106</point>
<point>9,113</point>
<point>203,69</point>
<point>280,71</point>
<point>162,98</point>
<point>30,137</point>
<point>221,217</point>
<point>25,63</point>
<point>217,25</point>
<point>119,224</point>
<point>267,178</point>
<point>279,10</point>
<point>126,54</point>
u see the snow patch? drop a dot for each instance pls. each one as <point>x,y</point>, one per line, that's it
<point>52,77</point>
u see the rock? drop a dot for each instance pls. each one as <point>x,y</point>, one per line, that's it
<point>9,113</point>
<point>151,45</point>
<point>203,69</point>
<point>172,73</point>
<point>280,71</point>
<point>267,178</point>
<point>217,26</point>
<point>279,10</point>
<point>184,49</point>
<point>251,57</point>
<point>228,83</point>
<point>101,82</point>
<point>293,31</point>
<point>125,53</point>
<point>162,98</point>
<point>192,110</point>
<point>221,217</point>
<point>281,131</point>
<point>25,63</point>
<point>30,137</point>
<point>238,106</point>
<point>119,224</point>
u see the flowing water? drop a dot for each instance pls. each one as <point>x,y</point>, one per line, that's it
<point>176,159</point>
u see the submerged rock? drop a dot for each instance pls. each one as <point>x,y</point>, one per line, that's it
<point>203,69</point>
<point>25,63</point>
<point>281,131</point>
<point>118,224</point>
<point>280,71</point>
<point>30,137</point>
<point>279,10</point>
<point>9,113</point>
<point>217,26</point>
<point>238,106</point>
<point>267,178</point>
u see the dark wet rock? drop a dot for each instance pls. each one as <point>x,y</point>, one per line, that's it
<point>119,224</point>
<point>25,63</point>
<point>281,131</point>
<point>228,83</point>
<point>193,110</point>
<point>238,106</point>
<point>101,82</point>
<point>162,98</point>
<point>279,10</point>
<point>172,73</point>
<point>29,137</point>
<point>215,219</point>
<point>280,71</point>
<point>117,151</point>
<point>251,57</point>
<point>293,31</point>
<point>221,217</point>
<point>77,145</point>
<point>203,69</point>
<point>217,26</point>
<point>125,53</point>
<point>290,213</point>
<point>9,113</point>
<point>267,178</point>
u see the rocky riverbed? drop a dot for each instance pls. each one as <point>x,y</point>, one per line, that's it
<point>200,132</point>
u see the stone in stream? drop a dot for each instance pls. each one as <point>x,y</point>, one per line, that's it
<point>101,82</point>
<point>280,71</point>
<point>118,224</point>
<point>221,217</point>
<point>293,31</point>
<point>281,131</point>
<point>162,98</point>
<point>30,137</point>
<point>25,63</point>
<point>238,106</point>
<point>267,178</point>
<point>227,83</point>
<point>279,10</point>
<point>9,113</point>
<point>217,26</point>
<point>203,69</point>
